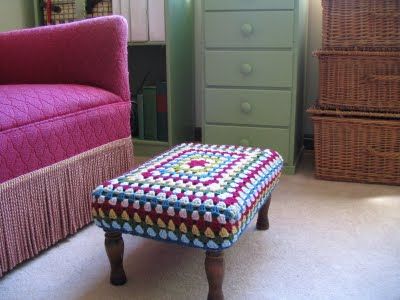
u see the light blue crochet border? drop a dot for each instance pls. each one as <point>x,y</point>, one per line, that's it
<point>193,244</point>
<point>199,244</point>
<point>227,212</point>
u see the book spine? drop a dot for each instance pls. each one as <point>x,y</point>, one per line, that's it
<point>162,112</point>
<point>139,21</point>
<point>150,112</point>
<point>156,20</point>
<point>140,114</point>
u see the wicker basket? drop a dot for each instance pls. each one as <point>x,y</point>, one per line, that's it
<point>361,24</point>
<point>357,80</point>
<point>103,8</point>
<point>62,11</point>
<point>358,147</point>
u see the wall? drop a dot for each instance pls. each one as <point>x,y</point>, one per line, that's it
<point>16,14</point>
<point>314,42</point>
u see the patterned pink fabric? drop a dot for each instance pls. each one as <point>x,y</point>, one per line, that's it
<point>63,90</point>
<point>29,147</point>
<point>91,52</point>
<point>27,103</point>
<point>64,125</point>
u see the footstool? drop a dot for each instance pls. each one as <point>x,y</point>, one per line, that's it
<point>196,195</point>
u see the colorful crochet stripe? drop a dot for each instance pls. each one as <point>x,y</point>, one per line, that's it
<point>197,195</point>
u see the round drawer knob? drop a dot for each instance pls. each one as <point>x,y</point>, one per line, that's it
<point>245,107</point>
<point>244,142</point>
<point>247,29</point>
<point>246,69</point>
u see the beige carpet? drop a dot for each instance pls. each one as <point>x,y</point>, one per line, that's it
<point>327,240</point>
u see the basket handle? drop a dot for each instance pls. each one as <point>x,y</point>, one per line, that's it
<point>391,155</point>
<point>384,77</point>
<point>384,14</point>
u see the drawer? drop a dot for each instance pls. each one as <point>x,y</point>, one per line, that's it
<point>274,138</point>
<point>249,29</point>
<point>247,4</point>
<point>249,68</point>
<point>353,148</point>
<point>247,107</point>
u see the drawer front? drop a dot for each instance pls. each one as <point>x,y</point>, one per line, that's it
<point>274,138</point>
<point>249,68</point>
<point>369,149</point>
<point>248,107</point>
<point>248,4</point>
<point>249,29</point>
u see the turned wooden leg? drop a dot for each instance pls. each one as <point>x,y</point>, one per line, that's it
<point>262,220</point>
<point>214,264</point>
<point>115,252</point>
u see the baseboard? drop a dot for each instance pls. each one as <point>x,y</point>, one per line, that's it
<point>291,169</point>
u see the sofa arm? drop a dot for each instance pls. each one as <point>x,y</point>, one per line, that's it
<point>91,52</point>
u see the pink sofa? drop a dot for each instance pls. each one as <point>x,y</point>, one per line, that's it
<point>64,126</point>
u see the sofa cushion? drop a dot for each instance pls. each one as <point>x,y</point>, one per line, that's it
<point>28,103</point>
<point>44,124</point>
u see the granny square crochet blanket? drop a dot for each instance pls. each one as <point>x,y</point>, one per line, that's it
<point>196,195</point>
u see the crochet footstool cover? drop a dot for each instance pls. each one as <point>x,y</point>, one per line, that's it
<point>196,195</point>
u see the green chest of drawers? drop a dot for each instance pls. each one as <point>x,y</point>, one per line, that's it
<point>253,74</point>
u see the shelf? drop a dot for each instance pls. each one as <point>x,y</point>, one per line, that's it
<point>149,148</point>
<point>172,61</point>
<point>137,141</point>
<point>149,43</point>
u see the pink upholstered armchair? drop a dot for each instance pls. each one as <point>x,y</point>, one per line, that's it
<point>64,126</point>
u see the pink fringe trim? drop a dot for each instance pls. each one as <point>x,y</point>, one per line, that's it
<point>40,208</point>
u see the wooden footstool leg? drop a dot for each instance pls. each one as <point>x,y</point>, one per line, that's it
<point>214,264</point>
<point>115,252</point>
<point>262,220</point>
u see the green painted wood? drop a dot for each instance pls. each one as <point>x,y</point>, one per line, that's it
<point>180,69</point>
<point>147,43</point>
<point>289,169</point>
<point>150,112</point>
<point>37,12</point>
<point>249,29</point>
<point>248,107</point>
<point>249,68</point>
<point>232,63</point>
<point>248,4</point>
<point>274,138</point>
